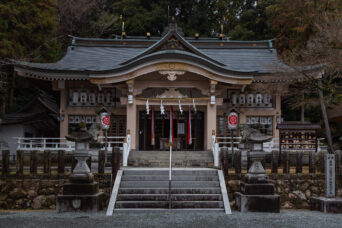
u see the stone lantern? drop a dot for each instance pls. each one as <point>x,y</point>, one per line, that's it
<point>81,193</point>
<point>256,193</point>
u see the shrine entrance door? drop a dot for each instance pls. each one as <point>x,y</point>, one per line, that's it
<point>180,131</point>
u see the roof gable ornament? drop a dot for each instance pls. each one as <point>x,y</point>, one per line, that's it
<point>171,74</point>
<point>172,40</point>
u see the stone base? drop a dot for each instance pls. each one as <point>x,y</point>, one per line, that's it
<point>80,188</point>
<point>257,189</point>
<point>257,203</point>
<point>85,203</point>
<point>326,205</point>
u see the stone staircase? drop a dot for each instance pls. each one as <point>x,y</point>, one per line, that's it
<point>179,159</point>
<point>148,189</point>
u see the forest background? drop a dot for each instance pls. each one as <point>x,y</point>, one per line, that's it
<point>38,31</point>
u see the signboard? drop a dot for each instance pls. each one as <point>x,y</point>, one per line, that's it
<point>330,175</point>
<point>233,120</point>
<point>105,120</point>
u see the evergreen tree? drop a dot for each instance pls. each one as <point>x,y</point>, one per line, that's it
<point>28,32</point>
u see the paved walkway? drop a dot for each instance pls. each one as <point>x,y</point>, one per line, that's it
<point>169,219</point>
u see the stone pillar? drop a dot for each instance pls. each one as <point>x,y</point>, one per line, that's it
<point>132,122</point>
<point>63,124</point>
<point>210,124</point>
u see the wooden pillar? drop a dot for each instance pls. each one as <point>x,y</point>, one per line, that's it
<point>33,162</point>
<point>5,162</point>
<point>115,162</point>
<point>47,162</point>
<point>286,163</point>
<point>237,161</point>
<point>299,162</point>
<point>275,160</point>
<point>61,165</point>
<point>20,162</point>
<point>63,124</point>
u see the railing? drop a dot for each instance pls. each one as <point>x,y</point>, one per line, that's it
<point>123,142</point>
<point>56,144</point>
<point>51,162</point>
<point>41,144</point>
<point>217,142</point>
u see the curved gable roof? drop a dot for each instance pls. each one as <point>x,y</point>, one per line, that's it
<point>111,56</point>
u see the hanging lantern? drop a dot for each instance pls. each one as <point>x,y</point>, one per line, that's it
<point>250,99</point>
<point>92,98</point>
<point>234,99</point>
<point>258,99</point>
<point>83,97</point>
<point>75,97</point>
<point>242,99</point>
<point>100,98</point>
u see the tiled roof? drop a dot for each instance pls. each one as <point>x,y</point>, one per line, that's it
<point>98,55</point>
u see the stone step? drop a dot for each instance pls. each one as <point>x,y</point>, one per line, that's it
<point>165,204</point>
<point>166,178</point>
<point>197,204</point>
<point>164,184</point>
<point>206,172</point>
<point>165,197</point>
<point>142,204</point>
<point>173,191</point>
<point>183,164</point>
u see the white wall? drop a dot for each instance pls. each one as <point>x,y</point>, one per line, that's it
<point>7,132</point>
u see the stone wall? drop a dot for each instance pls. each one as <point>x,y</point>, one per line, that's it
<point>39,192</point>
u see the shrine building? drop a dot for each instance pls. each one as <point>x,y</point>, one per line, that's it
<point>209,77</point>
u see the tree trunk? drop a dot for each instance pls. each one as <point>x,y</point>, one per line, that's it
<point>325,119</point>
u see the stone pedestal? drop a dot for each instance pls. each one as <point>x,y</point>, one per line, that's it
<point>80,197</point>
<point>81,193</point>
<point>257,194</point>
<point>326,205</point>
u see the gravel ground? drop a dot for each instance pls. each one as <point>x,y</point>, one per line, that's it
<point>52,219</point>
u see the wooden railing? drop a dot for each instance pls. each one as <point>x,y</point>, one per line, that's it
<point>52,162</point>
<point>56,144</point>
<point>289,162</point>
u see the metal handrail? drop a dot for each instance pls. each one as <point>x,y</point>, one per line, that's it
<point>170,176</point>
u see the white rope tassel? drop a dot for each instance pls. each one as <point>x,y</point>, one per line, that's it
<point>162,109</point>
<point>180,107</point>
<point>193,105</point>
<point>147,107</point>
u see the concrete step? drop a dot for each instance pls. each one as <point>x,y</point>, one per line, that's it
<point>165,184</point>
<point>173,191</point>
<point>197,204</point>
<point>165,204</point>
<point>205,172</point>
<point>165,197</point>
<point>166,178</point>
<point>142,204</point>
